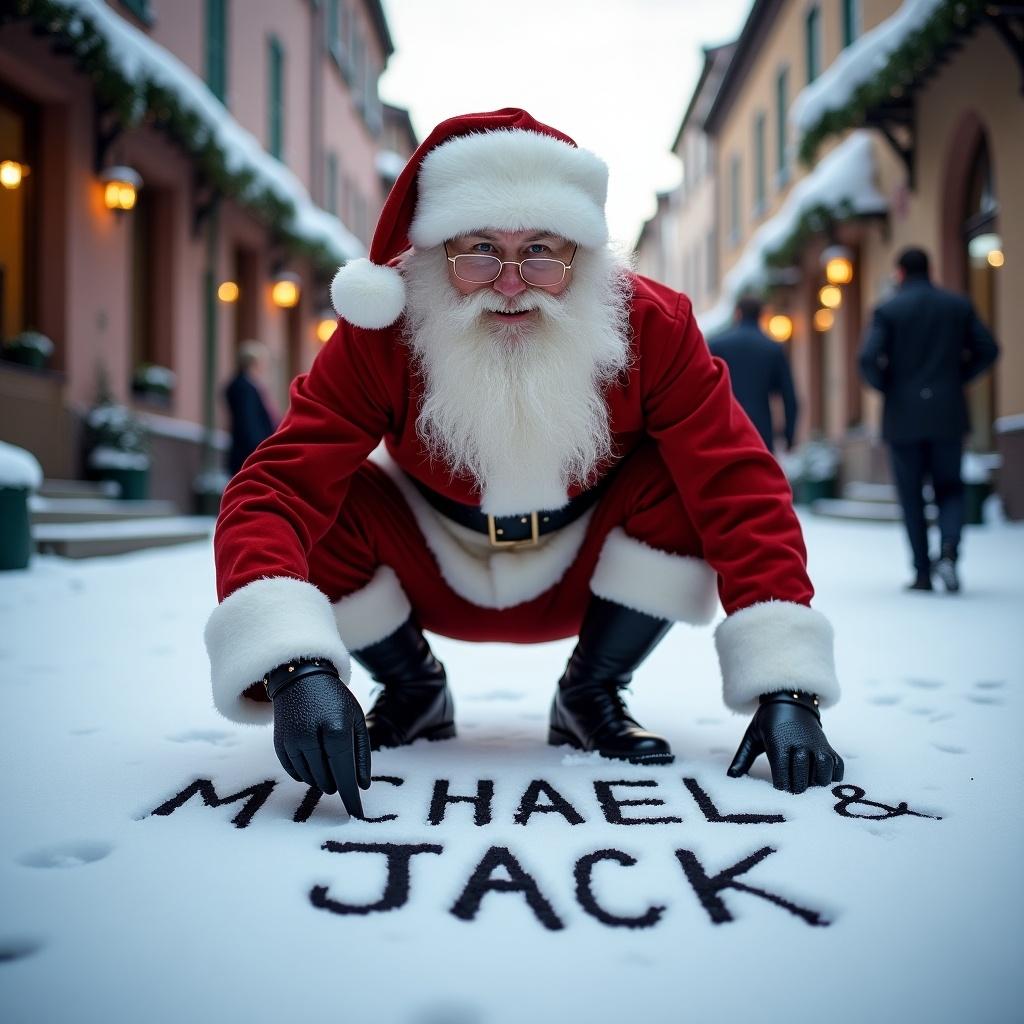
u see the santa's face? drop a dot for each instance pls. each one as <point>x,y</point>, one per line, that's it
<point>514,373</point>
<point>504,253</point>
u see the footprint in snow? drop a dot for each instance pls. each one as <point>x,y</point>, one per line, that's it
<point>949,749</point>
<point>85,731</point>
<point>885,699</point>
<point>72,854</point>
<point>17,947</point>
<point>982,698</point>
<point>217,737</point>
<point>990,684</point>
<point>925,684</point>
<point>708,721</point>
<point>921,711</point>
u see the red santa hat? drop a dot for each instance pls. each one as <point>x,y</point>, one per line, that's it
<point>502,170</point>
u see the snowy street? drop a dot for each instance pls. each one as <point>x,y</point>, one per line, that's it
<point>157,864</point>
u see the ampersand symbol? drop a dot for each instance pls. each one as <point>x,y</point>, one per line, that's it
<point>855,795</point>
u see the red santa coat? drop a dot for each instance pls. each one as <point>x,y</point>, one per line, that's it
<point>363,389</point>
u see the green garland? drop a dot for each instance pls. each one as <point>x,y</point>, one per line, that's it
<point>814,221</point>
<point>911,59</point>
<point>133,103</point>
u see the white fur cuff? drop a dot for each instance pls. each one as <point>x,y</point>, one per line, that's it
<point>372,613</point>
<point>776,645</point>
<point>673,587</point>
<point>260,626</point>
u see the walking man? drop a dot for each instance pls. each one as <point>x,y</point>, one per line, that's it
<point>758,369</point>
<point>252,419</point>
<point>923,346</point>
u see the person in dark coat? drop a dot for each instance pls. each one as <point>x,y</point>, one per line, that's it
<point>758,368</point>
<point>252,418</point>
<point>922,347</point>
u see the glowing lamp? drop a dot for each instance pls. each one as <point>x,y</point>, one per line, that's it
<point>838,263</point>
<point>823,320</point>
<point>285,291</point>
<point>120,188</point>
<point>780,327</point>
<point>995,258</point>
<point>227,291</point>
<point>326,325</point>
<point>11,173</point>
<point>830,297</point>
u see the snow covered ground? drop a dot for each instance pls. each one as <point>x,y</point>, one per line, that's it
<point>549,898</point>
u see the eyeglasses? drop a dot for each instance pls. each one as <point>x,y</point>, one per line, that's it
<point>476,268</point>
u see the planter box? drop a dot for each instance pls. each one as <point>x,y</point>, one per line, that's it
<point>134,483</point>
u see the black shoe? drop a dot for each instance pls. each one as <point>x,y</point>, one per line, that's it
<point>945,569</point>
<point>922,582</point>
<point>414,701</point>
<point>588,711</point>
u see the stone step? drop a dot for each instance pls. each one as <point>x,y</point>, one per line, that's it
<point>869,511</point>
<point>94,510</point>
<point>116,537</point>
<point>53,488</point>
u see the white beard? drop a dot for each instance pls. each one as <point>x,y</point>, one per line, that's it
<point>519,408</point>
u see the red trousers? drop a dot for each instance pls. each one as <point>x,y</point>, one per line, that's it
<point>377,528</point>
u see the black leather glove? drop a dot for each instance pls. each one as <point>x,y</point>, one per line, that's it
<point>319,732</point>
<point>787,727</point>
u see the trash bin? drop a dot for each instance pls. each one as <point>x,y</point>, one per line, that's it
<point>20,475</point>
<point>15,535</point>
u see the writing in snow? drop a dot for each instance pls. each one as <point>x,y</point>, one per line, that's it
<point>500,871</point>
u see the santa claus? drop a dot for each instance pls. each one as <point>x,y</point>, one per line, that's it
<point>510,437</point>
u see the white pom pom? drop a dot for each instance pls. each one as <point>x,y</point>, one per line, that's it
<point>368,295</point>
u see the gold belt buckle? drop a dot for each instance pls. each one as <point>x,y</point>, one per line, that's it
<point>495,534</point>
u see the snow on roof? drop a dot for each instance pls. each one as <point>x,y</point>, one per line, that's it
<point>19,468</point>
<point>140,59</point>
<point>390,164</point>
<point>843,179</point>
<point>857,64</point>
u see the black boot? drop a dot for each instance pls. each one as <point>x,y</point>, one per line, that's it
<point>945,568</point>
<point>922,581</point>
<point>415,702</point>
<point>588,711</point>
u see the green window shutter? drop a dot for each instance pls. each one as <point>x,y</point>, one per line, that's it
<point>331,191</point>
<point>781,113</point>
<point>275,97</point>
<point>812,30</point>
<point>734,200</point>
<point>851,21</point>
<point>216,48</point>
<point>759,164</point>
<point>140,8</point>
<point>333,23</point>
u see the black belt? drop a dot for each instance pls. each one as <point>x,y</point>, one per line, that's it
<point>511,530</point>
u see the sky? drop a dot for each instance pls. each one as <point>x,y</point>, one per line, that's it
<point>616,75</point>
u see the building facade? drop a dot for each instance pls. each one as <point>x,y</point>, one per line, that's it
<point>873,126</point>
<point>252,130</point>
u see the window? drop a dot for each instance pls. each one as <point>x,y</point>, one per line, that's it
<point>711,263</point>
<point>275,97</point>
<point>339,26</point>
<point>759,164</point>
<point>781,113</point>
<point>331,184</point>
<point>734,199</point>
<point>357,65</point>
<point>812,30</point>
<point>851,21</point>
<point>371,103</point>
<point>216,48</point>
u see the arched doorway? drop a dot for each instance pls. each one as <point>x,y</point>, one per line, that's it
<point>973,253</point>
